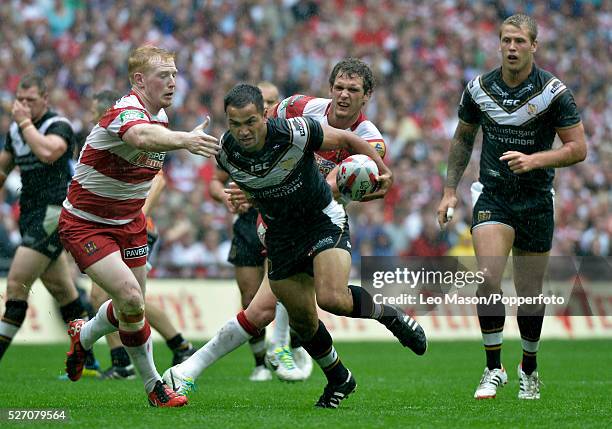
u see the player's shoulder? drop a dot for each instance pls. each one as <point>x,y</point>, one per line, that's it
<point>129,101</point>
<point>53,121</point>
<point>547,82</point>
<point>128,105</point>
<point>226,140</point>
<point>480,81</point>
<point>541,75</point>
<point>292,131</point>
<point>302,105</point>
<point>228,149</point>
<point>280,127</point>
<point>363,124</point>
<point>126,109</point>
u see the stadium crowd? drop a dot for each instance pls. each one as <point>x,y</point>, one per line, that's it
<point>423,53</point>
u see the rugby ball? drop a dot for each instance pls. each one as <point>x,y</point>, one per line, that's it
<point>357,176</point>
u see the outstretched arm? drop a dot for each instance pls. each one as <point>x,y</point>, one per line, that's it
<point>153,137</point>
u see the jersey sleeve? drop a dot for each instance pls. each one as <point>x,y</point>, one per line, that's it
<point>64,130</point>
<point>368,131</point>
<point>315,134</point>
<point>118,120</point>
<point>469,111</point>
<point>292,107</point>
<point>565,111</point>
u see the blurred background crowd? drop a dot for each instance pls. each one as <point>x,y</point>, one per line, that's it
<point>422,53</point>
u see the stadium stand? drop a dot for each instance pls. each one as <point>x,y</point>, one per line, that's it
<point>423,53</point>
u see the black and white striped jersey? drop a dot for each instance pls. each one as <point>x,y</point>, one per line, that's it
<point>282,178</point>
<point>42,183</point>
<point>524,119</point>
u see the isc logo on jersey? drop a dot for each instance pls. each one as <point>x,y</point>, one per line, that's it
<point>511,102</point>
<point>260,167</point>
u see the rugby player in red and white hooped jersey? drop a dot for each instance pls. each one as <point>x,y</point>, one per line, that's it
<point>350,86</point>
<point>102,223</point>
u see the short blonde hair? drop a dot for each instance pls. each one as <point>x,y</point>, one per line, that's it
<point>519,20</point>
<point>140,59</point>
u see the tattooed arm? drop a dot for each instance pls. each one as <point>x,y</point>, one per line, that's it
<point>458,159</point>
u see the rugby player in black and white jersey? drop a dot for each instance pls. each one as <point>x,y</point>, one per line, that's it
<point>520,108</point>
<point>40,144</point>
<point>273,162</point>
<point>247,254</point>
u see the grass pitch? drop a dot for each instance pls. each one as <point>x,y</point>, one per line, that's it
<point>395,389</point>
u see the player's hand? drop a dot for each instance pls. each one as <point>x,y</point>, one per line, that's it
<point>385,181</point>
<point>237,201</point>
<point>446,209</point>
<point>331,181</point>
<point>518,162</point>
<point>200,143</point>
<point>202,127</point>
<point>21,112</point>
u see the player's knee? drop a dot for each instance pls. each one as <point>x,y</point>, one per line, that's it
<point>490,285</point>
<point>335,301</point>
<point>131,301</point>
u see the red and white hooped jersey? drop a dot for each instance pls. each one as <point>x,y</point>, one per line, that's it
<point>318,108</point>
<point>112,179</point>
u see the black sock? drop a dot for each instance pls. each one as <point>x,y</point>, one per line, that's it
<point>258,347</point>
<point>530,327</point>
<point>14,315</point>
<point>91,313</point>
<point>492,318</point>
<point>363,303</point>
<point>322,350</point>
<point>90,360</point>
<point>364,307</point>
<point>119,357</point>
<point>176,342</point>
<point>73,310</point>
